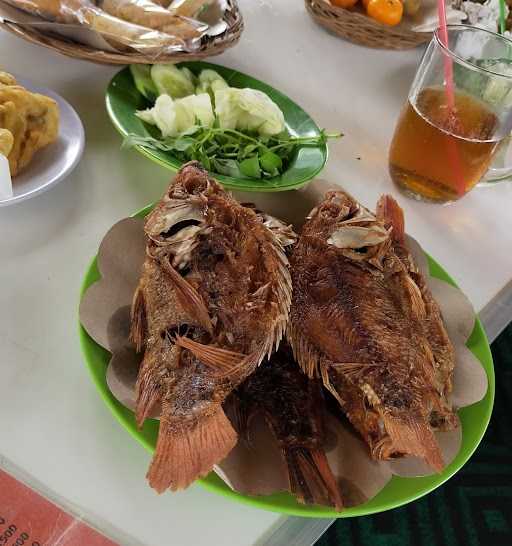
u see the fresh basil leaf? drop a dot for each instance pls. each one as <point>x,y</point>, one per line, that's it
<point>251,167</point>
<point>228,167</point>
<point>183,143</point>
<point>271,162</point>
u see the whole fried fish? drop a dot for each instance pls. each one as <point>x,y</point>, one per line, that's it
<point>212,302</point>
<point>293,406</point>
<point>363,318</point>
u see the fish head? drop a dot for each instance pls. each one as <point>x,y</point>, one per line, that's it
<point>355,232</point>
<point>173,227</point>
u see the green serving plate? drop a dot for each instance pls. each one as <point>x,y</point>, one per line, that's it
<point>123,100</point>
<point>397,492</point>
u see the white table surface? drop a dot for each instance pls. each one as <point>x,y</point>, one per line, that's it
<point>53,424</point>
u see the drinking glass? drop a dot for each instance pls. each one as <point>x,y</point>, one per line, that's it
<point>458,112</point>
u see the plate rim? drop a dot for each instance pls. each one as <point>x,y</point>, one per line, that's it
<point>267,502</point>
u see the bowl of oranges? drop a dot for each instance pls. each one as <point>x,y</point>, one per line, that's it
<point>385,24</point>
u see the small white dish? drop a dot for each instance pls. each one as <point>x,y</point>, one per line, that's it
<point>54,162</point>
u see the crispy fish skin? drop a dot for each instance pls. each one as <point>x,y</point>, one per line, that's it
<point>391,215</point>
<point>212,302</point>
<point>361,321</point>
<point>293,406</point>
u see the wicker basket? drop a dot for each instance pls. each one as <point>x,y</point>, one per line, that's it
<point>357,27</point>
<point>210,46</point>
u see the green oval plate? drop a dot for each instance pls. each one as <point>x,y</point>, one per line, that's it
<point>398,491</point>
<point>123,100</point>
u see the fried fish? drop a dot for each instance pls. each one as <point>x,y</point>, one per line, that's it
<point>293,406</point>
<point>363,319</point>
<point>212,302</point>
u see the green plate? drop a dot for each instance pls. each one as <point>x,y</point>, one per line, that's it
<point>123,100</point>
<point>398,491</point>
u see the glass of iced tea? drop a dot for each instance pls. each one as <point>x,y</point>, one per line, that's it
<point>458,112</point>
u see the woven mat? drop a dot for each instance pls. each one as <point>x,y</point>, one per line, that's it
<point>474,508</point>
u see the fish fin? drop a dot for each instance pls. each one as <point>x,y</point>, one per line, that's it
<point>184,454</point>
<point>138,320</point>
<point>189,297</point>
<point>390,212</point>
<point>413,436</point>
<point>236,410</point>
<point>219,359</point>
<point>282,289</point>
<point>353,370</point>
<point>417,301</point>
<point>148,392</point>
<point>225,364</point>
<point>310,477</point>
<point>241,414</point>
<point>307,356</point>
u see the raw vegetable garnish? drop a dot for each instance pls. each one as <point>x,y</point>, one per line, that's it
<point>231,152</point>
<point>232,131</point>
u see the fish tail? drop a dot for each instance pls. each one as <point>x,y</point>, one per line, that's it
<point>414,437</point>
<point>310,477</point>
<point>390,212</point>
<point>184,454</point>
<point>236,410</point>
<point>138,320</point>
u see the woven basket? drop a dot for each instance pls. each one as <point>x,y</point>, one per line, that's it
<point>210,46</point>
<point>357,27</point>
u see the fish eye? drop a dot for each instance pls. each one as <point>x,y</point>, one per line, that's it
<point>178,226</point>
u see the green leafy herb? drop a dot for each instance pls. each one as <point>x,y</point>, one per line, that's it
<point>231,152</point>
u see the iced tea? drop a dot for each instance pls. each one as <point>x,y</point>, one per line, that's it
<point>440,151</point>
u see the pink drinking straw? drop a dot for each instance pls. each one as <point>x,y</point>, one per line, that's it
<point>450,96</point>
<point>448,66</point>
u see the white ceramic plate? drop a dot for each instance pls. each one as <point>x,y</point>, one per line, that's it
<point>54,162</point>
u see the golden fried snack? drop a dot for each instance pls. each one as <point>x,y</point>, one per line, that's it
<point>41,130</point>
<point>149,14</point>
<point>6,142</point>
<point>7,79</point>
<point>31,119</point>
<point>16,124</point>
